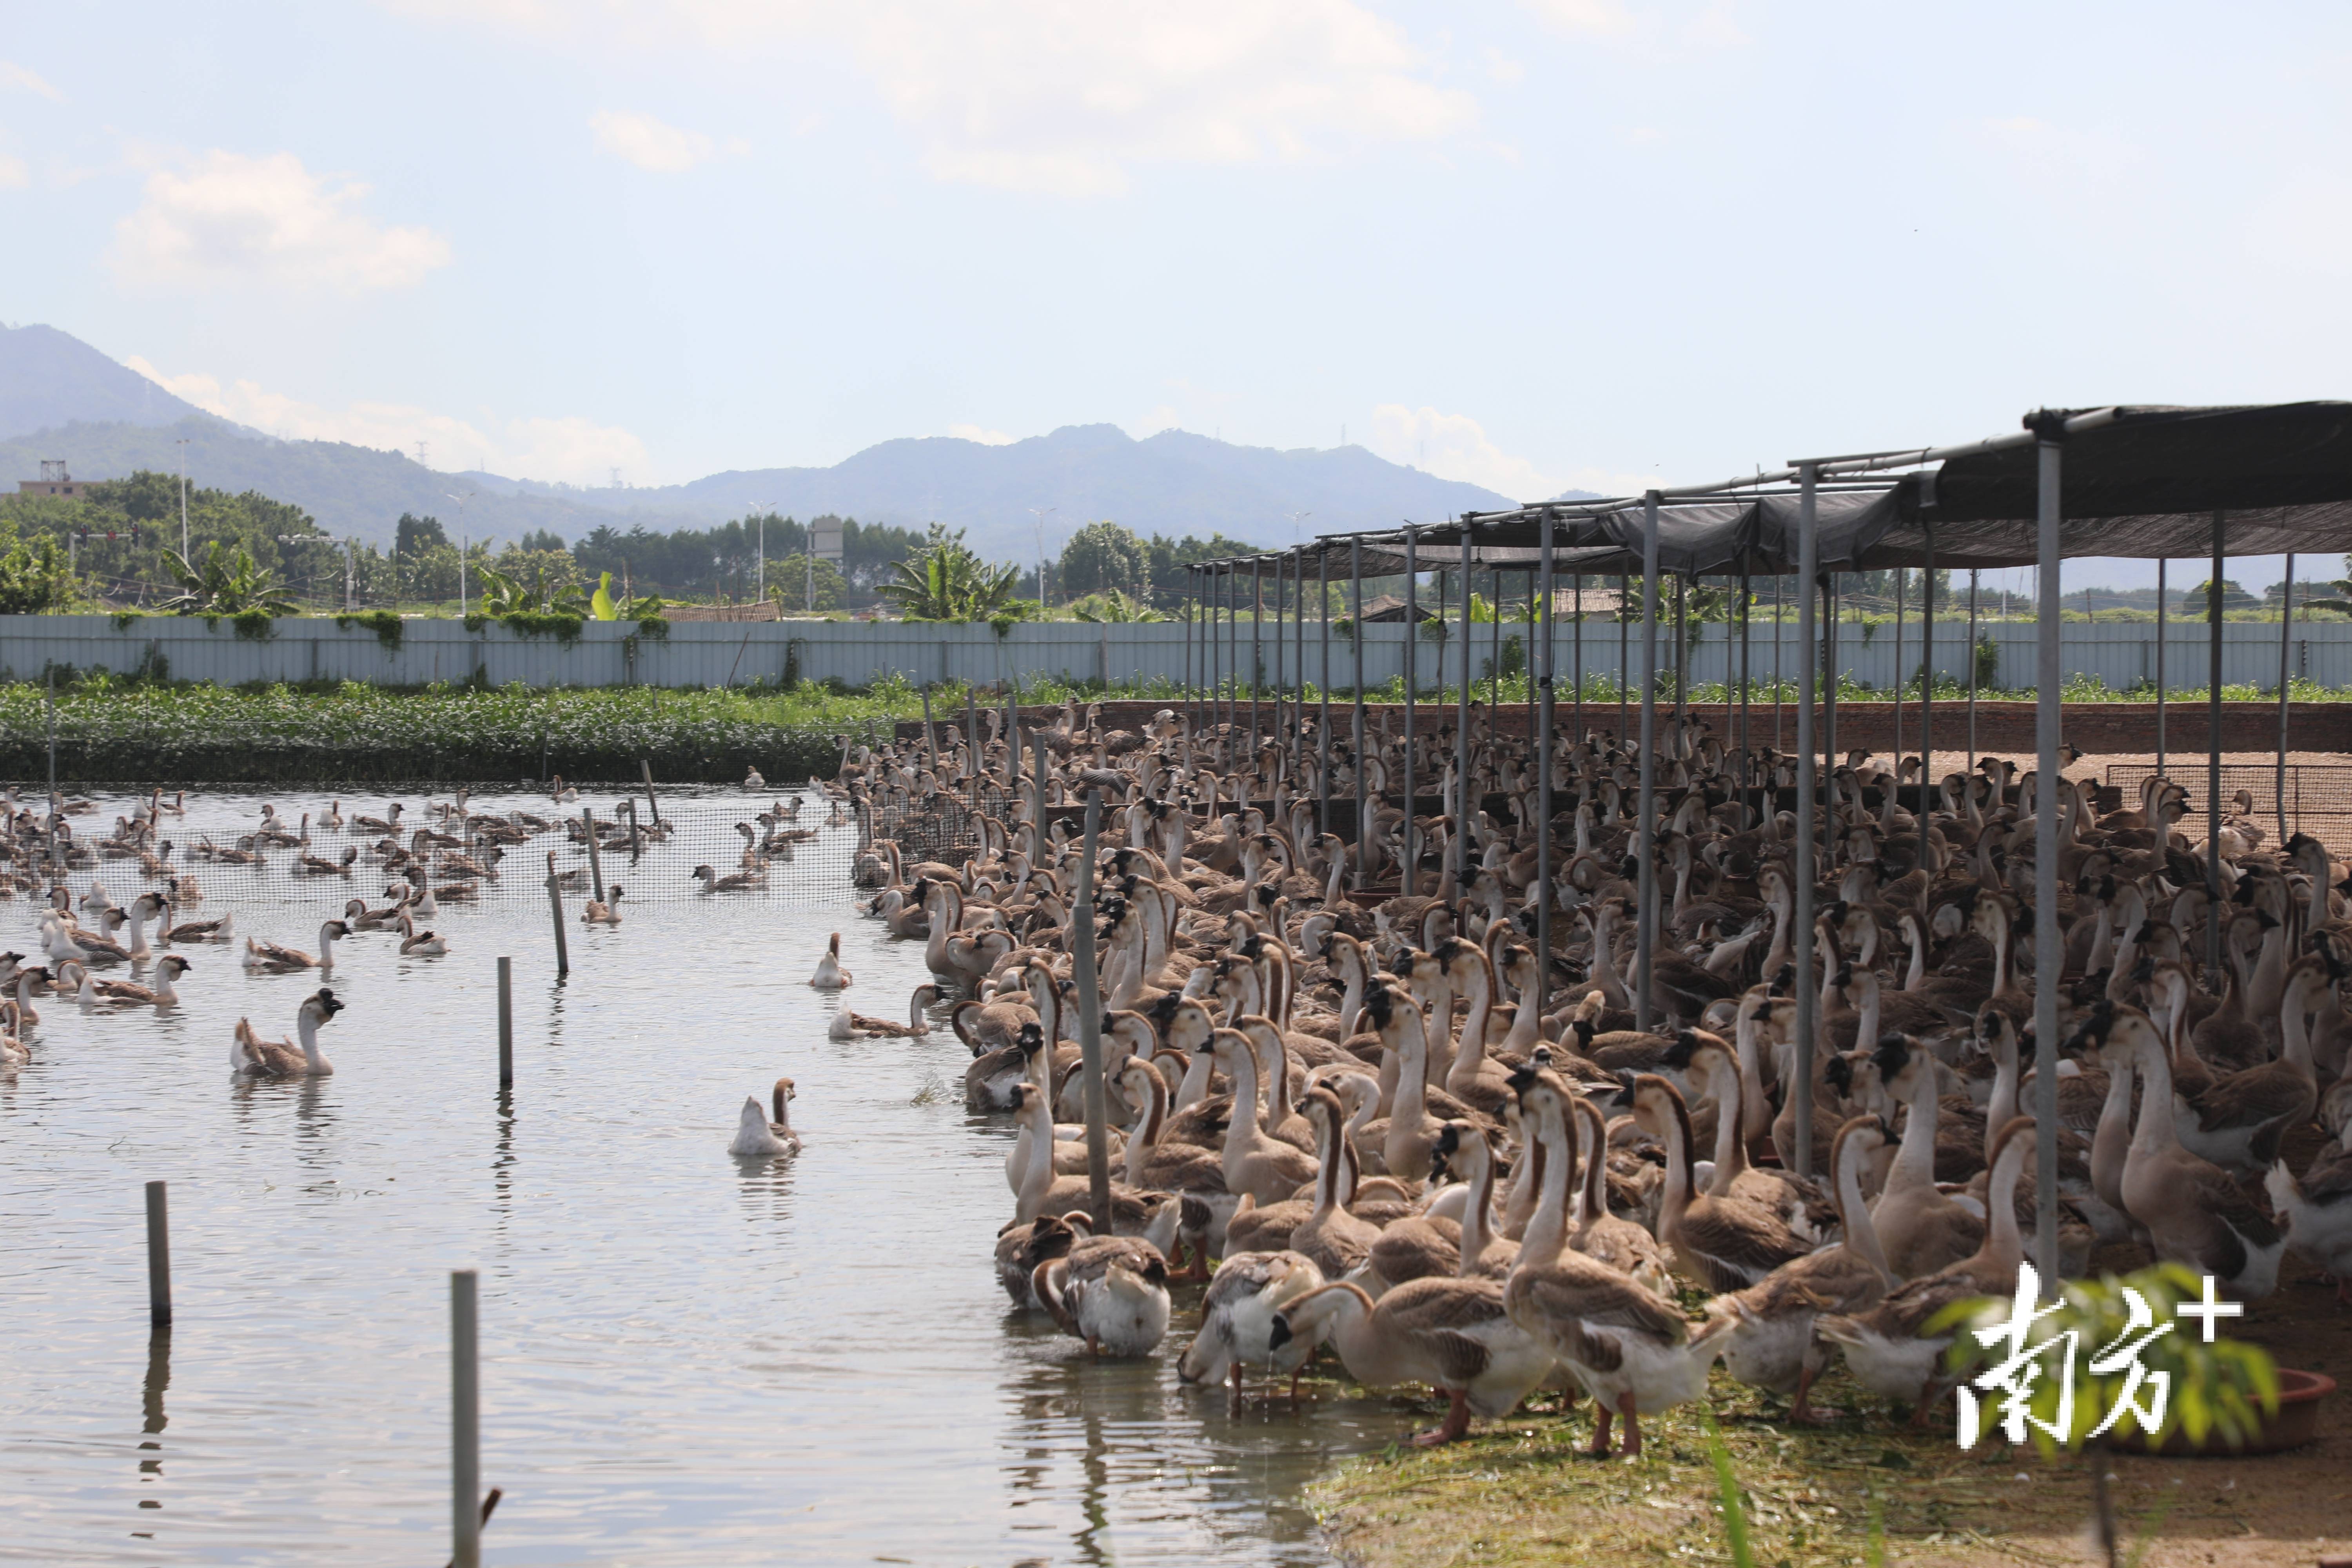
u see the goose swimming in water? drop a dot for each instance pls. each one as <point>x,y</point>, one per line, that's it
<point>756,1136</point>
<point>252,1056</point>
<point>830,976</point>
<point>739,882</point>
<point>126,992</point>
<point>604,911</point>
<point>276,960</point>
<point>753,781</point>
<point>415,943</point>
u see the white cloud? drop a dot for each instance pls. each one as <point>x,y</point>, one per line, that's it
<point>1067,97</point>
<point>651,144</point>
<point>13,75</point>
<point>986,437</point>
<point>1716,28</point>
<point>1608,17</point>
<point>14,176</point>
<point>1457,447</point>
<point>573,450</point>
<point>229,218</point>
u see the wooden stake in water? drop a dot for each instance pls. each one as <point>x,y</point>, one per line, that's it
<point>506,1022</point>
<point>646,769</point>
<point>465,1420</point>
<point>159,1259</point>
<point>555,903</point>
<point>595,861</point>
<point>635,847</point>
<point>1082,957</point>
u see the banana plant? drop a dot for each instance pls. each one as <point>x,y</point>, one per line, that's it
<point>604,606</point>
<point>226,585</point>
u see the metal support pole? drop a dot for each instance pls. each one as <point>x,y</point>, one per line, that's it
<point>159,1258</point>
<point>931,737</point>
<point>1926,697</point>
<point>1800,1157</point>
<point>1191,579</point>
<point>1972,676</point>
<point>555,905</point>
<point>2286,633</point>
<point>1543,776</point>
<point>1462,806</point>
<point>1323,727</point>
<point>465,1419</point>
<point>595,860</point>
<point>972,739</point>
<point>1682,645</point>
<point>1624,657</point>
<point>1576,656</point>
<point>2213,911</point>
<point>1298,662</point>
<point>1411,674</point>
<point>506,1022</point>
<point>1082,964</point>
<point>1899,680</point>
<point>1779,639</point>
<point>1645,828</point>
<point>1364,819</point>
<point>646,769</point>
<point>2048,932</point>
<point>2161,565</point>
<point>1830,601</point>
<point>1257,655</point>
<point>1747,674</point>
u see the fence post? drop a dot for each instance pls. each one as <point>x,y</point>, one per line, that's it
<point>159,1259</point>
<point>646,769</point>
<point>506,1022</point>
<point>555,903</point>
<point>465,1420</point>
<point>630,806</point>
<point>595,861</point>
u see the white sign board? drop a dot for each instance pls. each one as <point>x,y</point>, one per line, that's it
<point>827,538</point>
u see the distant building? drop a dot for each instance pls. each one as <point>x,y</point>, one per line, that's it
<point>54,481</point>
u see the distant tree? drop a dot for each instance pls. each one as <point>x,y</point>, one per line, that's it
<point>2195,601</point>
<point>33,576</point>
<point>1111,605</point>
<point>788,583</point>
<point>413,533</point>
<point>945,581</point>
<point>1167,559</point>
<point>1102,557</point>
<point>545,539</point>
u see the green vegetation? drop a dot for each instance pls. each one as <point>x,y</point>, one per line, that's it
<point>33,579</point>
<point>111,729</point>
<point>226,584</point>
<point>945,581</point>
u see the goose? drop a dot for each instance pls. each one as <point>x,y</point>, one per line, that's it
<point>604,911</point>
<point>1718,1243</point>
<point>1772,1344</point>
<point>1334,1239</point>
<point>1254,1163</point>
<point>127,993</point>
<point>753,781</point>
<point>1237,1319</point>
<point>1022,1246</point>
<point>1110,1291</point>
<point>275,960</point>
<point>1155,1164</point>
<point>2195,1214</point>
<point>1153,1216</point>
<point>2317,1210</point>
<point>1887,1348</point>
<point>331,819</point>
<point>250,1056</point>
<point>359,917</point>
<point>830,976</point>
<point>221,930</point>
<point>13,1052</point>
<point>2237,1121</point>
<point>1451,1333</point>
<point>1622,1245</point>
<point>757,1137</point>
<point>734,882</point>
<point>1922,1229</point>
<point>415,943</point>
<point>389,823</point>
<point>1633,1353</point>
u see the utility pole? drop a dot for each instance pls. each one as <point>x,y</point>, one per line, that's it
<point>765,507</point>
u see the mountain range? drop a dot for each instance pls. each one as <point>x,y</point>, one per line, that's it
<point>61,399</point>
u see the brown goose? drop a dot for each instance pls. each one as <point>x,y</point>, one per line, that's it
<point>1718,1243</point>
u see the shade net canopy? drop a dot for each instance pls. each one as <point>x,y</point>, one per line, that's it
<point>2146,483</point>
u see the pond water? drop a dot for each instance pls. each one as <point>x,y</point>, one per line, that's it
<point>687,1359</point>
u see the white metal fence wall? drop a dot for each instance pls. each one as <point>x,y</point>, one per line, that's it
<point>702,654</point>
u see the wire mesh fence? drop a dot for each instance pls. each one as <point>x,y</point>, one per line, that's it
<point>226,850</point>
<point>943,826</point>
<point>2317,797</point>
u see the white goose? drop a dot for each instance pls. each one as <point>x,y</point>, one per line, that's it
<point>756,1136</point>
<point>830,976</point>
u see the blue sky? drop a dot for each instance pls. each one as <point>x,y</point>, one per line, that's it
<point>1532,245</point>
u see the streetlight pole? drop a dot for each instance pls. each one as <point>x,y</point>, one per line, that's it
<point>1042,513</point>
<point>462,541</point>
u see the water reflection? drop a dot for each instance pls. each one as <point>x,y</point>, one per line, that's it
<point>153,1420</point>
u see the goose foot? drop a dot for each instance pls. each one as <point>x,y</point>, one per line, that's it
<point>1803,1410</point>
<point>1456,1425</point>
<point>1294,1384</point>
<point>1602,1417</point>
<point>1632,1449</point>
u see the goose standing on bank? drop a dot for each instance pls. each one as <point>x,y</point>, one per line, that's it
<point>756,1136</point>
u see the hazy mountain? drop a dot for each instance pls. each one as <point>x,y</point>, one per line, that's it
<point>48,377</point>
<point>61,398</point>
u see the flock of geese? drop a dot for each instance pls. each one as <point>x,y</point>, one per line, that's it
<point>449,853</point>
<point>1391,1128</point>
